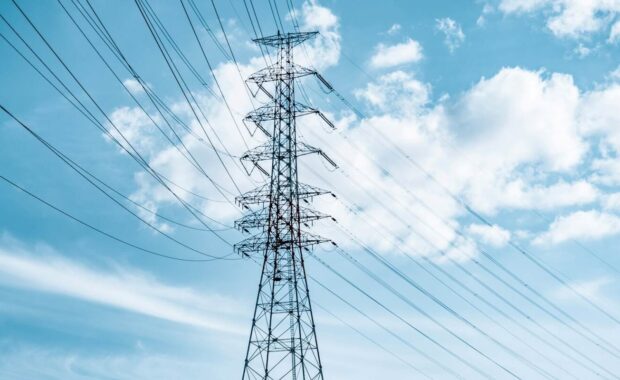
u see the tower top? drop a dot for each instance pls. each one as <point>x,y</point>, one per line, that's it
<point>291,39</point>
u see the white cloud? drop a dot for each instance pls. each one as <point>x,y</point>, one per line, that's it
<point>493,235</point>
<point>614,33</point>
<point>568,18</point>
<point>386,56</point>
<point>324,50</point>
<point>591,289</point>
<point>452,31</point>
<point>319,53</point>
<point>518,133</point>
<point>136,127</point>
<point>612,202</point>
<point>125,289</point>
<point>589,225</point>
<point>582,50</point>
<point>486,10</point>
<point>395,28</point>
<point>615,75</point>
<point>598,114</point>
<point>133,86</point>
<point>396,91</point>
<point>37,362</point>
<point>605,171</point>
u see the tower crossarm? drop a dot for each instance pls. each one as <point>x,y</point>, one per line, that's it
<point>274,73</point>
<point>265,151</point>
<point>261,195</point>
<point>260,218</point>
<point>260,243</point>
<point>292,39</point>
<point>268,113</point>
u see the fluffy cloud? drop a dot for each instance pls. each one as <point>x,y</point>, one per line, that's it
<point>396,91</point>
<point>136,127</point>
<point>581,225</point>
<point>492,235</point>
<point>386,56</point>
<point>568,18</point>
<point>324,50</point>
<point>511,142</point>
<point>598,115</point>
<point>453,34</point>
<point>612,202</point>
<point>133,86</point>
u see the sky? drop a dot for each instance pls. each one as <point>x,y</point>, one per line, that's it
<point>478,152</point>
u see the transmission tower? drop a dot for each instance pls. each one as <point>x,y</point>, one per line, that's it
<point>283,343</point>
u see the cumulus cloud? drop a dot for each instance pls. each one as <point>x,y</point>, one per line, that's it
<point>324,50</point>
<point>568,18</point>
<point>132,126</point>
<point>588,225</point>
<point>612,202</point>
<point>221,139</point>
<point>494,235</point>
<point>386,56</point>
<point>453,34</point>
<point>127,289</point>
<point>395,91</point>
<point>133,86</point>
<point>510,142</point>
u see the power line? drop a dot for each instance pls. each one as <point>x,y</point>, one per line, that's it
<point>486,302</point>
<point>98,230</point>
<point>187,94</point>
<point>133,153</point>
<point>461,234</point>
<point>80,171</point>
<point>502,281</point>
<point>191,159</point>
<point>390,311</point>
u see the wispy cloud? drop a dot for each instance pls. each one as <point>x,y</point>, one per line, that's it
<point>452,31</point>
<point>127,289</point>
<point>394,29</point>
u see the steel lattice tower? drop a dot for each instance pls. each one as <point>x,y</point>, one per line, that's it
<point>283,343</point>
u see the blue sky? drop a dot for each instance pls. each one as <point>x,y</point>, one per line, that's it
<point>510,104</point>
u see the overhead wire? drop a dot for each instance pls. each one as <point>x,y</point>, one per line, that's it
<point>187,94</point>
<point>101,30</point>
<point>444,306</point>
<point>187,154</point>
<point>88,177</point>
<point>460,233</point>
<point>502,281</point>
<point>216,81</point>
<point>402,319</point>
<point>371,340</point>
<point>97,229</point>
<point>557,276</point>
<point>376,224</point>
<point>129,148</point>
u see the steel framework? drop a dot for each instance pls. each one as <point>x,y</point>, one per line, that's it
<point>283,343</point>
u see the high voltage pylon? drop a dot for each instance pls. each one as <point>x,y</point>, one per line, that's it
<point>283,343</point>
